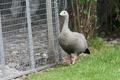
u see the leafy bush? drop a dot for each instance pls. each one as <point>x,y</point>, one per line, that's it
<point>83,16</point>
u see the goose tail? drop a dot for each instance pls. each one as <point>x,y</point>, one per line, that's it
<point>87,51</point>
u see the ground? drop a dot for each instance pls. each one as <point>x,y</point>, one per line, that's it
<point>102,64</point>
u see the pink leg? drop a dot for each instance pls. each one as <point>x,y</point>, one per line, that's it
<point>72,58</point>
<point>71,62</point>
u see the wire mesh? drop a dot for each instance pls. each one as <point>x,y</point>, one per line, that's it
<point>16,38</point>
<point>39,29</point>
<point>56,31</point>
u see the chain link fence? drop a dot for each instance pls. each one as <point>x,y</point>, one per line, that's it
<point>28,36</point>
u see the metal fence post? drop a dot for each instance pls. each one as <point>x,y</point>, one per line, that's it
<point>65,4</point>
<point>30,34</point>
<point>58,30</point>
<point>51,48</point>
<point>2,54</point>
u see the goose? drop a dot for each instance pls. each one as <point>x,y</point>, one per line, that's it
<point>72,42</point>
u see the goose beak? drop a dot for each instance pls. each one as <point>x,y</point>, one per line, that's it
<point>60,14</point>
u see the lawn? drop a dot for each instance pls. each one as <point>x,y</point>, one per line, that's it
<point>102,64</point>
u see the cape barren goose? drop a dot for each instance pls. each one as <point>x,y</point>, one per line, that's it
<point>72,42</point>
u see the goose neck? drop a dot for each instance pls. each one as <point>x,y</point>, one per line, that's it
<point>65,25</point>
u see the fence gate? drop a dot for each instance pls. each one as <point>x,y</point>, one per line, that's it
<point>28,36</point>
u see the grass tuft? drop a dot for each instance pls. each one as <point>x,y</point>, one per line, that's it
<point>97,42</point>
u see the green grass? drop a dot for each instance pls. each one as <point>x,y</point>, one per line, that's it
<point>102,64</point>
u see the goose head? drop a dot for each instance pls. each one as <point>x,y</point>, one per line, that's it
<point>64,14</point>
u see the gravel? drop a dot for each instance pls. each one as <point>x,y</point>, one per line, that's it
<point>17,51</point>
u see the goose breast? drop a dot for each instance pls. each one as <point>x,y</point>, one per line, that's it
<point>73,42</point>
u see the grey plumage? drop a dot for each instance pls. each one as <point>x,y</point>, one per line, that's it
<point>72,42</point>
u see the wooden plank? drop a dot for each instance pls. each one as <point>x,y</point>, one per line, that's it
<point>2,53</point>
<point>51,49</point>
<point>30,34</point>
